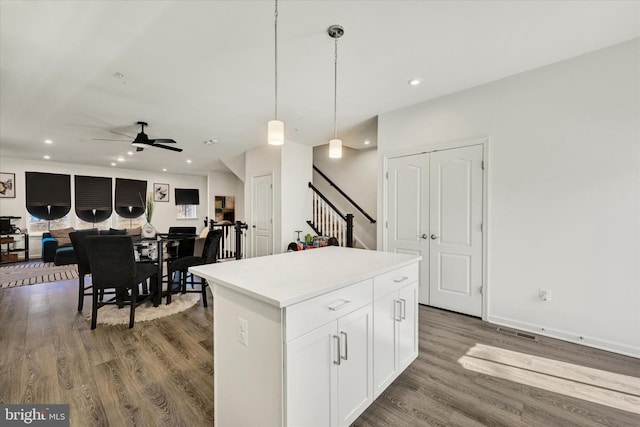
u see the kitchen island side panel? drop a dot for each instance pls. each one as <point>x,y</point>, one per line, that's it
<point>248,379</point>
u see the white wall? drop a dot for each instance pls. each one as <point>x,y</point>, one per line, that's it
<point>164,214</point>
<point>225,184</point>
<point>297,167</point>
<point>356,174</point>
<point>263,160</point>
<point>564,191</point>
<point>291,168</point>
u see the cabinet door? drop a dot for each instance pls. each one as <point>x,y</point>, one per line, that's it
<point>311,378</point>
<point>355,372</point>
<point>384,341</point>
<point>407,325</point>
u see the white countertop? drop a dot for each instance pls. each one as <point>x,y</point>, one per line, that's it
<point>291,277</point>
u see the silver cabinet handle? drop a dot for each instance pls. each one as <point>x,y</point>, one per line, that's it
<point>344,303</point>
<point>395,312</point>
<point>401,279</point>
<point>434,237</point>
<point>346,346</point>
<point>404,308</point>
<point>339,352</point>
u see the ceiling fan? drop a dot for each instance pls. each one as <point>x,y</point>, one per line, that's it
<point>142,140</point>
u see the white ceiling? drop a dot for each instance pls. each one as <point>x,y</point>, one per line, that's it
<point>200,70</point>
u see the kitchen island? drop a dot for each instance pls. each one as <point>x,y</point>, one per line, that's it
<point>312,337</point>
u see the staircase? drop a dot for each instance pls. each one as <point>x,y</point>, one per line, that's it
<point>327,220</point>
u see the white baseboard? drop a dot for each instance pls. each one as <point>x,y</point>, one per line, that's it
<point>588,341</point>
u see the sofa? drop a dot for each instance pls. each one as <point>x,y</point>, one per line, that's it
<point>57,247</point>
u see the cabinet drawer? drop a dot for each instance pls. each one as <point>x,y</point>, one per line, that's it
<point>307,315</point>
<point>394,280</point>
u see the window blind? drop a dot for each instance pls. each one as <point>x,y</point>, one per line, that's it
<point>130,197</point>
<point>187,196</point>
<point>48,195</point>
<point>93,198</point>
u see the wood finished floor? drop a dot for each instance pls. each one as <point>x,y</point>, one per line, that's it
<point>160,373</point>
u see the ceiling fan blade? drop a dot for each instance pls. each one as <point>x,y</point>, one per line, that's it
<point>121,134</point>
<point>139,148</point>
<point>167,147</point>
<point>102,139</point>
<point>162,141</point>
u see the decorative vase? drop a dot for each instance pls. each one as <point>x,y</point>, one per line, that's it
<point>148,232</point>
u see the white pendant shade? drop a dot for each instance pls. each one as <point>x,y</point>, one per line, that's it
<point>335,148</point>
<point>275,132</point>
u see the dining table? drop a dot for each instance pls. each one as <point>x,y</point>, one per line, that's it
<point>154,250</point>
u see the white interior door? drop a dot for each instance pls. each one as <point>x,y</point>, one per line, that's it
<point>262,215</point>
<point>455,261</point>
<point>408,212</point>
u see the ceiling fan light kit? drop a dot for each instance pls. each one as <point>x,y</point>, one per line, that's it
<point>142,141</point>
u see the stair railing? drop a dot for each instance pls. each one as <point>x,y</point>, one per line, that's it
<point>233,241</point>
<point>327,220</point>
<point>343,194</point>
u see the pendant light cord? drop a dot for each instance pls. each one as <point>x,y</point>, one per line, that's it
<point>335,91</point>
<point>276,58</point>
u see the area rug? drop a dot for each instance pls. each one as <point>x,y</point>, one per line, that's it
<point>112,315</point>
<point>35,272</point>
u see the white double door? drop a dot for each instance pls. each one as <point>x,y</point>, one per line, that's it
<point>434,209</point>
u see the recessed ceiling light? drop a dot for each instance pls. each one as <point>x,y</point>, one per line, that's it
<point>188,160</point>
<point>120,159</point>
<point>366,142</point>
<point>113,163</point>
<point>47,157</point>
<point>164,169</point>
<point>210,141</point>
<point>48,141</point>
<point>415,82</point>
<point>130,153</point>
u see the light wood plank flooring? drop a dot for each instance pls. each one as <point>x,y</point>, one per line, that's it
<point>160,373</point>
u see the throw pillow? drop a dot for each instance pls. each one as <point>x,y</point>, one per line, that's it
<point>62,235</point>
<point>117,232</point>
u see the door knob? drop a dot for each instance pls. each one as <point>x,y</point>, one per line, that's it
<point>434,237</point>
<point>424,236</point>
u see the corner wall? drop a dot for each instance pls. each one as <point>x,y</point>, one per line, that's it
<point>564,191</point>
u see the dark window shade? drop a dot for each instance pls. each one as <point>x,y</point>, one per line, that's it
<point>130,192</point>
<point>48,195</point>
<point>187,196</point>
<point>93,198</point>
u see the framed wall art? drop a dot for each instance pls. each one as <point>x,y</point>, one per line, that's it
<point>7,185</point>
<point>160,192</point>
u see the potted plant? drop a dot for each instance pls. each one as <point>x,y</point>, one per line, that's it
<point>148,232</point>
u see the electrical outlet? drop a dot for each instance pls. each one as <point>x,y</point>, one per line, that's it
<point>545,294</point>
<point>243,331</point>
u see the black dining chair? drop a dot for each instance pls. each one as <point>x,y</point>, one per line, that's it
<point>79,248</point>
<point>113,266</point>
<point>181,265</point>
<point>185,246</point>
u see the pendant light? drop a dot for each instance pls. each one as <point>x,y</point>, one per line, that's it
<point>335,145</point>
<point>275,127</point>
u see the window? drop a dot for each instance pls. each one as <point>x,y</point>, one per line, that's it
<point>186,201</point>
<point>102,225</point>
<point>122,222</point>
<point>187,212</point>
<point>37,225</point>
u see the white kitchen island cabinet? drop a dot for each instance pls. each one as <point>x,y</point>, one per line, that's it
<point>310,338</point>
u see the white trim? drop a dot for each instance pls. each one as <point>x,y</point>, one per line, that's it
<point>439,146</point>
<point>633,351</point>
